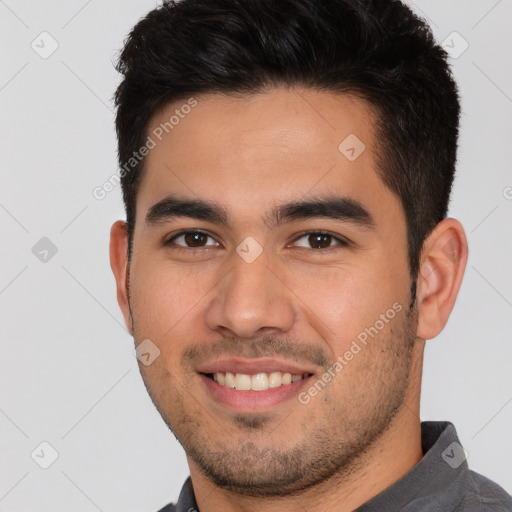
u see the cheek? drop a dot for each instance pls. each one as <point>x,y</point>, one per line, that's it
<point>341,302</point>
<point>163,296</point>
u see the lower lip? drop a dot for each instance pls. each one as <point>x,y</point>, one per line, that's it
<point>253,401</point>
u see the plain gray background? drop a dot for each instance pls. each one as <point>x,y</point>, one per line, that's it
<point>68,375</point>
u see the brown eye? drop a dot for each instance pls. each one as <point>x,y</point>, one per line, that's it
<point>318,240</point>
<point>192,239</point>
<point>195,239</point>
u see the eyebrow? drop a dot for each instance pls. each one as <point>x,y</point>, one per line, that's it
<point>331,207</point>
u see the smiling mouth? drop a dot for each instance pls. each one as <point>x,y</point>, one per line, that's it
<point>256,382</point>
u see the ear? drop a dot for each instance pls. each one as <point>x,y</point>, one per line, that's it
<point>120,268</point>
<point>443,261</point>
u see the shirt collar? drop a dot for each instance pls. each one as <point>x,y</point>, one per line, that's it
<point>438,482</point>
<point>187,500</point>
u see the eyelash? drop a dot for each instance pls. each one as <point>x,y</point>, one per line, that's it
<point>341,242</point>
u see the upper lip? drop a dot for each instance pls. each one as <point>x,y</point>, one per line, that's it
<point>252,366</point>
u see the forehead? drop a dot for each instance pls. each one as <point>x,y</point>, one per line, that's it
<point>259,150</point>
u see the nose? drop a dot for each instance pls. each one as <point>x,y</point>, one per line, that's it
<point>251,300</point>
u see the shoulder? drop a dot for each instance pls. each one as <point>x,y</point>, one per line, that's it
<point>485,495</point>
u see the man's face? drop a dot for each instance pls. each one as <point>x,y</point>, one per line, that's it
<point>294,258</point>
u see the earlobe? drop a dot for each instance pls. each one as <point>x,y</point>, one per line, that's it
<point>442,266</point>
<point>120,268</point>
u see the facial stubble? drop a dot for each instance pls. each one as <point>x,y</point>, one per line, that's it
<point>255,456</point>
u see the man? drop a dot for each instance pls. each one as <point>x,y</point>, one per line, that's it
<point>286,171</point>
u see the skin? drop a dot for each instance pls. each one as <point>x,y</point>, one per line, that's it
<point>294,304</point>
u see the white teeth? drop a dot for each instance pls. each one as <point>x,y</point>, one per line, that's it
<point>229,381</point>
<point>258,382</point>
<point>242,382</point>
<point>275,380</point>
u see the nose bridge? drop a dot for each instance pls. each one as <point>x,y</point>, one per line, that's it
<point>251,298</point>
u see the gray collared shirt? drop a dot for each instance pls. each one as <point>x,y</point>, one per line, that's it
<point>440,482</point>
